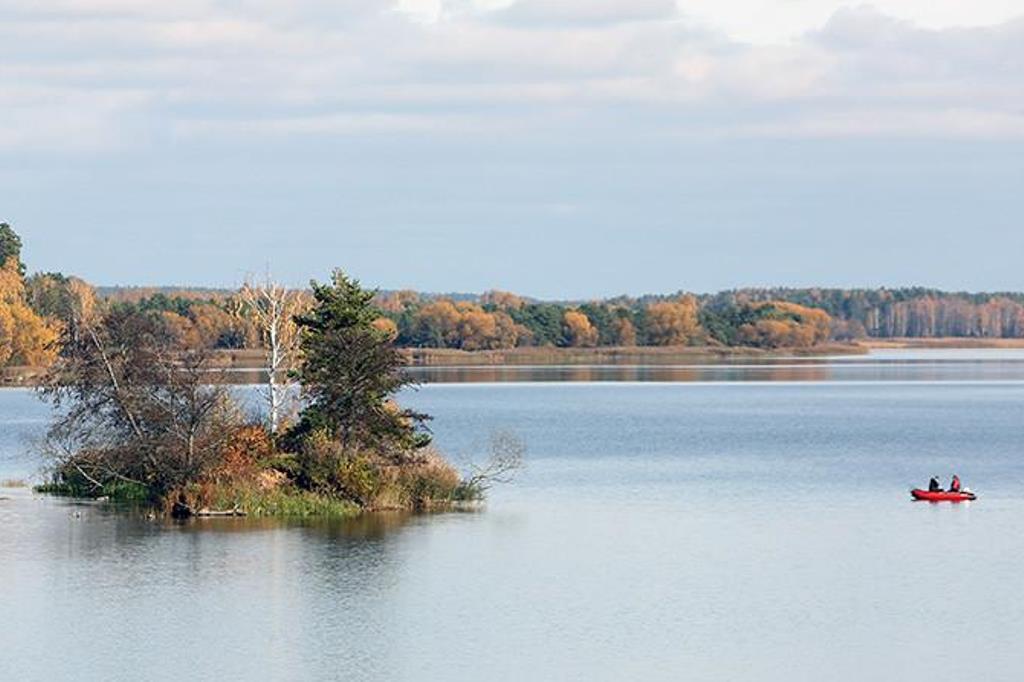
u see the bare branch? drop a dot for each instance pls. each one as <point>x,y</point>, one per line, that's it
<point>504,462</point>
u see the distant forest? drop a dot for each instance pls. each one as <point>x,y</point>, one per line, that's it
<point>769,317</point>
<point>35,309</point>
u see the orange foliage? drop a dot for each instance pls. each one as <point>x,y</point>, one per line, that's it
<point>672,323</point>
<point>25,337</point>
<point>469,327</point>
<point>387,327</point>
<point>247,447</point>
<point>477,329</point>
<point>210,322</point>
<point>789,325</point>
<point>580,332</point>
<point>180,328</point>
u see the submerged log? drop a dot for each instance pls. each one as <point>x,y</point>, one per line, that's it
<point>220,512</point>
<point>181,510</point>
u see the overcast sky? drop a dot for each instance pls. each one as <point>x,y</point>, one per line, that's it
<point>557,148</point>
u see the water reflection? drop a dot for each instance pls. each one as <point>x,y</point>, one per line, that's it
<point>366,527</point>
<point>811,371</point>
<point>889,365</point>
<point>248,598</point>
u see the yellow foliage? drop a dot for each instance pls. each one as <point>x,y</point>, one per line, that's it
<point>35,338</point>
<point>83,300</point>
<point>477,329</point>
<point>795,326</point>
<point>209,323</point>
<point>12,287</point>
<point>387,327</point>
<point>672,323</point>
<point>6,334</point>
<point>468,326</point>
<point>25,337</point>
<point>580,332</point>
<point>181,328</point>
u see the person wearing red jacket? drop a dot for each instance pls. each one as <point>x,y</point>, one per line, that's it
<point>954,486</point>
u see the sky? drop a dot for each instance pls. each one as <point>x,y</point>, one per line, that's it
<point>561,149</point>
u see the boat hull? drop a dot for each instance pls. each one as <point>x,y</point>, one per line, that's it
<point>942,496</point>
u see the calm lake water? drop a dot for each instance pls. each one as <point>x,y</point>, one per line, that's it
<point>705,529</point>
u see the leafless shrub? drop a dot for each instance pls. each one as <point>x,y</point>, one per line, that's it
<point>505,459</point>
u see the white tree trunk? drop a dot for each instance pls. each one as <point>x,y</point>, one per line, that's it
<point>273,308</point>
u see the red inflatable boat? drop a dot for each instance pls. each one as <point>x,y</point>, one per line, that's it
<point>943,495</point>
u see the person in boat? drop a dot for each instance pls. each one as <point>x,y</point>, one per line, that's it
<point>933,485</point>
<point>954,485</point>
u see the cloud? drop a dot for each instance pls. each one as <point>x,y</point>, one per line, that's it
<point>585,12</point>
<point>90,75</point>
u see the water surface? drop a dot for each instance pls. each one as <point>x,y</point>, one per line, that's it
<point>662,530</point>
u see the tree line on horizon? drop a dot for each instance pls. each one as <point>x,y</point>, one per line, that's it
<point>35,308</point>
<point>762,318</point>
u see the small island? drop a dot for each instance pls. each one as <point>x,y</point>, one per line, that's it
<point>144,415</point>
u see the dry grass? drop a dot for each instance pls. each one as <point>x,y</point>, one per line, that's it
<point>429,483</point>
<point>247,364</point>
<point>942,342</point>
<point>645,355</point>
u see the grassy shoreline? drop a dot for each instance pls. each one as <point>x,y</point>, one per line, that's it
<point>253,360</point>
<point>645,355</point>
<point>945,342</point>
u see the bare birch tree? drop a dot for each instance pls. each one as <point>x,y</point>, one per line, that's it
<point>273,308</point>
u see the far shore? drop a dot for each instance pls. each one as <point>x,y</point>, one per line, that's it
<point>941,342</point>
<point>252,360</point>
<point>610,355</point>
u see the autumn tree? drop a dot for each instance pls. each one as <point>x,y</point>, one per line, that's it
<point>779,324</point>
<point>464,325</point>
<point>26,338</point>
<point>476,329</point>
<point>437,324</point>
<point>387,327</point>
<point>214,326</point>
<point>672,323</point>
<point>578,330</point>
